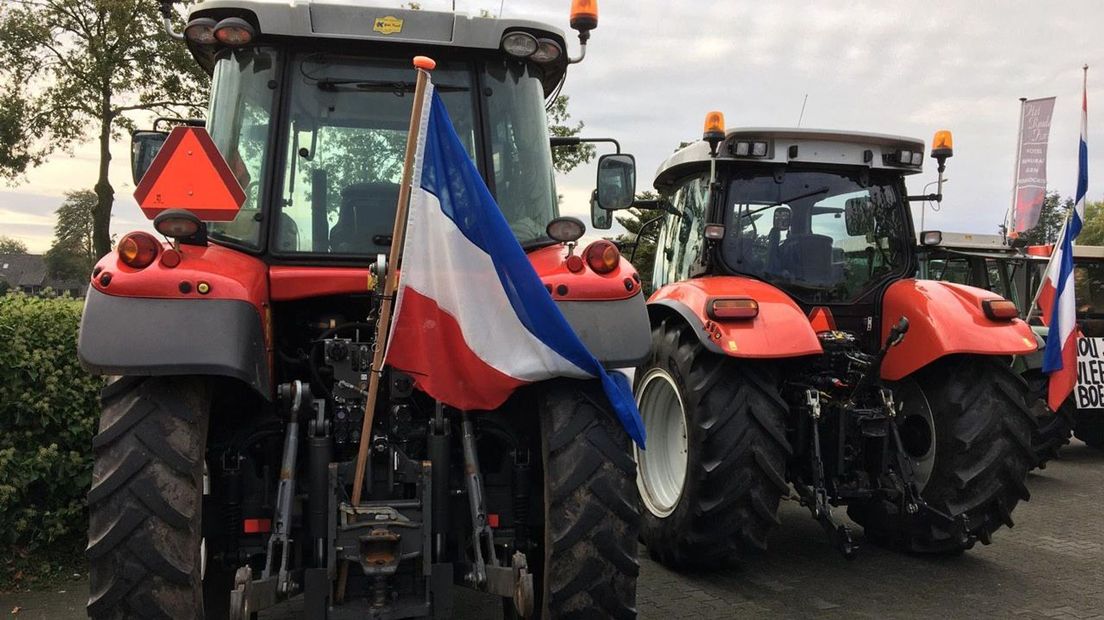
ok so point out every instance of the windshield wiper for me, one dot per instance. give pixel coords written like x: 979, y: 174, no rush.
x: 379, y: 86
x: 750, y: 212
x: 815, y: 192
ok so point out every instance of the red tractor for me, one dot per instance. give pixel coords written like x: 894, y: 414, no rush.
x: 794, y: 350
x: 241, y: 349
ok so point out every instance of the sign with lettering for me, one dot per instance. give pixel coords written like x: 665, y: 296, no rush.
x: 1089, y: 393
x: 1031, y: 178
x: 387, y: 25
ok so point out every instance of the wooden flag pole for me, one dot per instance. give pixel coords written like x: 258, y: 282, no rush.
x: 423, y: 65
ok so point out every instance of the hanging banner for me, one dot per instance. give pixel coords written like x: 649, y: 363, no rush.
x: 1031, y: 160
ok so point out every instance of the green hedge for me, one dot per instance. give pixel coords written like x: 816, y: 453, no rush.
x: 48, y: 415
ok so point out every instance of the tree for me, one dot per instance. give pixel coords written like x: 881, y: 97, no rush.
x: 565, y: 159
x: 76, y: 68
x: 1092, y: 233
x: 73, y: 252
x: 633, y: 220
x: 1051, y: 217
x: 9, y: 245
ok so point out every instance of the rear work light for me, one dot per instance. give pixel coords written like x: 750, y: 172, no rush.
x: 201, y: 30
x: 732, y: 308
x: 235, y: 32
x: 547, y: 51
x: 520, y: 44
x: 1000, y: 309
x: 602, y: 256
x: 138, y: 250
x: 931, y: 237
x: 749, y: 148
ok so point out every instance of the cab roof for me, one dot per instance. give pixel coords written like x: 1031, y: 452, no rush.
x: 354, y: 20
x: 785, y: 145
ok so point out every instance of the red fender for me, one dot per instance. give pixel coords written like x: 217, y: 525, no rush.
x: 230, y: 274
x: 945, y: 318
x: 780, y: 330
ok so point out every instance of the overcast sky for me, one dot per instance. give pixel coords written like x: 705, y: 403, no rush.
x: 654, y: 68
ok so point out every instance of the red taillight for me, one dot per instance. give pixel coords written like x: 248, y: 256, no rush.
x: 1000, y: 309
x: 733, y: 308
x: 602, y: 256
x: 574, y: 263
x: 138, y: 250
x: 256, y: 526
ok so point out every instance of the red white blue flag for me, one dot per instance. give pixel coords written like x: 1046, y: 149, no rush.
x: 1057, y: 294
x: 473, y: 320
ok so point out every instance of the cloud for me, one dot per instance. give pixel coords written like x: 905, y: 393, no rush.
x: 654, y: 68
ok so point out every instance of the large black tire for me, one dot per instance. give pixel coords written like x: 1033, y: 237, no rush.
x: 591, y: 516
x: 736, y: 447
x: 982, y: 455
x: 1052, y: 429
x: 145, y: 503
x: 1089, y: 428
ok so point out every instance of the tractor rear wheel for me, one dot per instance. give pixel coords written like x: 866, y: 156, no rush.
x: 1089, y: 428
x: 982, y: 444
x: 714, y: 469
x: 1052, y: 428
x: 145, y: 503
x: 591, y: 516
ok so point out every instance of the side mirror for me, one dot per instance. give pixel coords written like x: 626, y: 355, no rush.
x: 782, y: 217
x: 144, y: 146
x: 616, y: 181
x: 857, y: 217
x: 600, y: 219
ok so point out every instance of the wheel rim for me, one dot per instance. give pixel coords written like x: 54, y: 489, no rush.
x: 916, y: 424
x: 661, y: 468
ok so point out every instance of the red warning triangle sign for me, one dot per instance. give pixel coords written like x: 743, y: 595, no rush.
x: 189, y: 173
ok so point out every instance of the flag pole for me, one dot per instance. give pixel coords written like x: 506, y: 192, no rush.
x: 1010, y: 221
x: 423, y: 65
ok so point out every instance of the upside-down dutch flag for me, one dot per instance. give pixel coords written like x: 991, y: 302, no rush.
x: 473, y: 320
x: 1057, y: 294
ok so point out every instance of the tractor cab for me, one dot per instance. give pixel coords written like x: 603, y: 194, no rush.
x: 821, y: 215
x: 983, y: 261
x: 310, y: 105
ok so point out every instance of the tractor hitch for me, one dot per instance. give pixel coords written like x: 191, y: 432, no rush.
x: 815, y: 496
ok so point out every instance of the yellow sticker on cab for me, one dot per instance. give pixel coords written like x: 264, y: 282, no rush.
x: 388, y: 25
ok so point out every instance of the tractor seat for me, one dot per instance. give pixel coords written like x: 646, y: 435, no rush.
x: 809, y: 258
x: 366, y: 218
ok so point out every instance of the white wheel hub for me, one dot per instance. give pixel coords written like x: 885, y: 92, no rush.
x: 916, y: 424
x: 661, y: 469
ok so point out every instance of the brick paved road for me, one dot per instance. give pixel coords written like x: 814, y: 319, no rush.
x: 1051, y: 565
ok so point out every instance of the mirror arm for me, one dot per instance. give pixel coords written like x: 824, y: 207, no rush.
x: 925, y: 198
x: 561, y: 141
x: 640, y: 231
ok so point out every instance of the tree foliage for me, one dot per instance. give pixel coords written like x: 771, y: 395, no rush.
x: 73, y: 252
x: 1092, y: 233
x: 9, y: 245
x: 633, y: 220
x: 1051, y: 217
x: 74, y: 69
x: 565, y: 159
